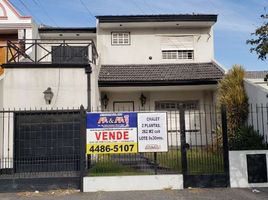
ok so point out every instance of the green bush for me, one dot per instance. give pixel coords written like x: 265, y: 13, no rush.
x: 246, y: 138
x: 232, y: 94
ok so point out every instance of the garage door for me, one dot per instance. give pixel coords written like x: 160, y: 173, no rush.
x: 47, y: 141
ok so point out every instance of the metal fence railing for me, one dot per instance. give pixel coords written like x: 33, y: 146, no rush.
x: 203, y: 145
x: 49, y: 143
x: 258, y: 119
x: 49, y: 51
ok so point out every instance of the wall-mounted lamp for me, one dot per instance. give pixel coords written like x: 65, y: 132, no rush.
x: 48, y: 95
x: 104, y: 101
x: 266, y: 79
x: 143, y: 100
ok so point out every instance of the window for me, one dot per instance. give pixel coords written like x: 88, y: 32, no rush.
x: 178, y: 54
x: 174, y: 105
x: 177, y: 47
x: 121, y: 38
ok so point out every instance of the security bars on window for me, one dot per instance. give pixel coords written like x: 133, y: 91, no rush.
x: 178, y: 54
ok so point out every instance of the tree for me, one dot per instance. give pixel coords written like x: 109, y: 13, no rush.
x: 232, y: 94
x: 260, y: 42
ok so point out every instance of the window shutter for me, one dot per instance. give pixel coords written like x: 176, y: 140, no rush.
x: 177, y: 43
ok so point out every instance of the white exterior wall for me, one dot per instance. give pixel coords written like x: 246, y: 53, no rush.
x: 238, y: 169
x: 23, y: 88
x: 133, y: 183
x: 257, y: 93
x: 145, y: 42
x: 194, y: 120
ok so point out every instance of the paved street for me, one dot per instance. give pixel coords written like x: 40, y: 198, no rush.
x: 188, y: 194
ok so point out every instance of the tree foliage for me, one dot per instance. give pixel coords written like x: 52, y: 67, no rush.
x: 260, y: 41
x: 232, y: 94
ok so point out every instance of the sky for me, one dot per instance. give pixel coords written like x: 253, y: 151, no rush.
x: 237, y: 19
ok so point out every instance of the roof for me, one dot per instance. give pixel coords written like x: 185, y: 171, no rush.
x: 255, y: 74
x: 67, y: 29
x: 160, y: 74
x: 157, y: 18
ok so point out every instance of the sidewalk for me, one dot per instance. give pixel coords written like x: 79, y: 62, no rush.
x: 187, y: 194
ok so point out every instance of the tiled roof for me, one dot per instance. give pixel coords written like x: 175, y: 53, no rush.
x: 160, y: 73
x: 255, y: 74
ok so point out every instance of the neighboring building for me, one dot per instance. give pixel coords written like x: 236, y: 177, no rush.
x: 256, y: 86
x: 60, y: 59
x: 13, y: 26
x: 53, y: 61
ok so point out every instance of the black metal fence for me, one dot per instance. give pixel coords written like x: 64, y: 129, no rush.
x: 258, y: 119
x: 198, y: 151
x: 51, y: 144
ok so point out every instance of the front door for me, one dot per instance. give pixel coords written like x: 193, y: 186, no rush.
x: 123, y: 106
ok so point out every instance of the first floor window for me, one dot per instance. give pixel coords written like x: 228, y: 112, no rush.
x: 174, y: 105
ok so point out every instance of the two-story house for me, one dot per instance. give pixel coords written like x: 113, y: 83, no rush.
x: 152, y: 62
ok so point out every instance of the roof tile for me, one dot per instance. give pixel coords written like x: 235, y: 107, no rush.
x: 160, y: 72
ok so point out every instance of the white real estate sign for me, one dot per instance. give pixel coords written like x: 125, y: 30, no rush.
x: 152, y: 132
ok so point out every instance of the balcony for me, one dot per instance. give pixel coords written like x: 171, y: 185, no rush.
x: 49, y: 53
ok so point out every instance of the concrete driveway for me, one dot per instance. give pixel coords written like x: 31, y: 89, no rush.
x: 187, y: 194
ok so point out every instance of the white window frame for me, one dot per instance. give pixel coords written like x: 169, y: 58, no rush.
x: 120, y: 38
x: 177, y: 47
x: 178, y: 54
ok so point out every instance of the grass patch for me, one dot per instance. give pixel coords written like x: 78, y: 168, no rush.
x: 199, y: 160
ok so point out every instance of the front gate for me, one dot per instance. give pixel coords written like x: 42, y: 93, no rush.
x: 197, y: 141
x: 204, y: 146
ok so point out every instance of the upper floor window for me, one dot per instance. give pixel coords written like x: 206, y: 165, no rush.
x: 177, y: 47
x: 177, y: 54
x: 120, y: 38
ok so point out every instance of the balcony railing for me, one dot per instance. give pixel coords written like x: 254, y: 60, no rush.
x: 41, y: 51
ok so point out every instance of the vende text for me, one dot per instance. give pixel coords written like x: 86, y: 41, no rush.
x: 112, y: 135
